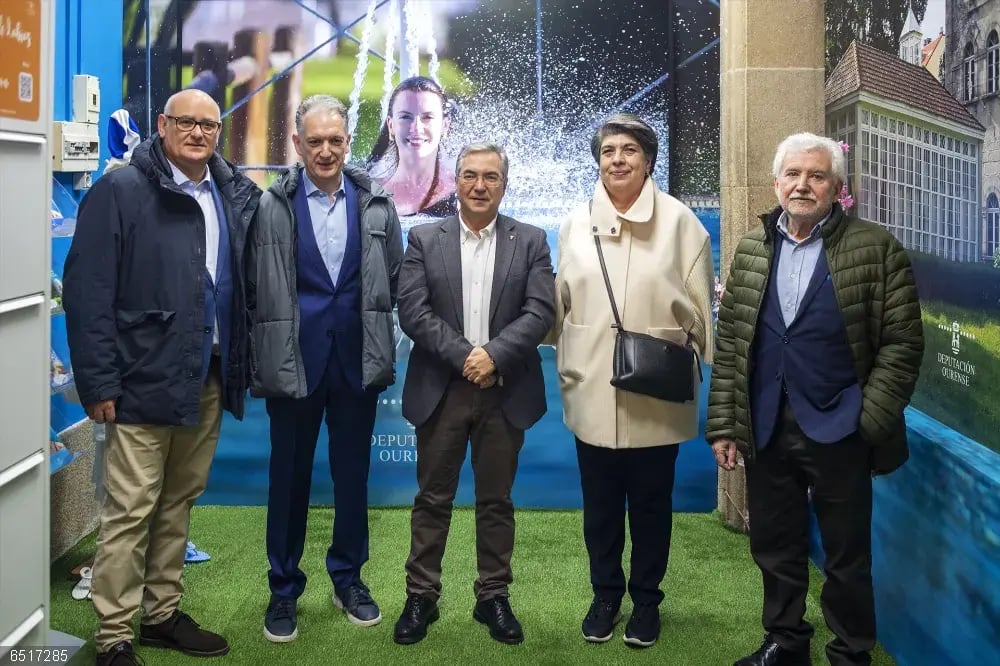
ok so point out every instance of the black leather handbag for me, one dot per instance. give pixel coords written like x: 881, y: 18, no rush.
x: 647, y: 365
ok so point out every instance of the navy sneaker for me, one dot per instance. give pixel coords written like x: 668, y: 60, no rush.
x: 357, y: 602
x: 599, y: 625
x: 643, y: 627
x: 280, y: 620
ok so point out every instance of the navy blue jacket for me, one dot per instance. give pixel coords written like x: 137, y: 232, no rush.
x: 809, y: 360
x: 134, y: 291
x: 329, y: 314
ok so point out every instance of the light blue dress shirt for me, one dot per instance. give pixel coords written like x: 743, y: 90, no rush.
x: 329, y: 223
x: 202, y: 193
x: 796, y: 265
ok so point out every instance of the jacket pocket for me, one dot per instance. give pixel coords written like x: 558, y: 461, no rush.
x: 143, y: 340
x: 573, y: 352
x: 378, y: 349
x: 275, y: 373
x: 125, y: 319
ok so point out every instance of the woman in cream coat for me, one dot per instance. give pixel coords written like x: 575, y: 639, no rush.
x: 659, y: 261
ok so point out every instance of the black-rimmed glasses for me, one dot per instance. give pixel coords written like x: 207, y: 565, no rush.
x: 187, y: 123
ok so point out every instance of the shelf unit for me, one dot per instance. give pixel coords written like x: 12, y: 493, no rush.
x: 25, y: 191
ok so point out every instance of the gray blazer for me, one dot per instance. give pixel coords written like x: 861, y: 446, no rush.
x: 522, y: 309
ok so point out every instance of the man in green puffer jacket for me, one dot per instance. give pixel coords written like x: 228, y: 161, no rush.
x: 819, y: 346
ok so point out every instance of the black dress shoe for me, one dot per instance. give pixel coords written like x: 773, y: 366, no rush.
x: 772, y: 654
x: 120, y: 654
x: 183, y: 634
x: 498, y: 616
x: 418, y: 613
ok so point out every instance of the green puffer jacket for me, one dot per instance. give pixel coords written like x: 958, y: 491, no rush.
x: 874, y: 286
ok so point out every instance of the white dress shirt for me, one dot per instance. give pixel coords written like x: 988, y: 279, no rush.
x: 478, y: 258
x: 202, y: 193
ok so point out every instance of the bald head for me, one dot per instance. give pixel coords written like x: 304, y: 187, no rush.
x: 189, y: 127
x: 188, y: 96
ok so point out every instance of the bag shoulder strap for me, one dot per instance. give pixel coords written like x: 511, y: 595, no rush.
x: 607, y: 281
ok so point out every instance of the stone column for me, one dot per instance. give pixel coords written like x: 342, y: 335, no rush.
x: 771, y: 86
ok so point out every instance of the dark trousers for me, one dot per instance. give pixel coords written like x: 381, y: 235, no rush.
x: 777, y: 486
x: 640, y: 481
x: 466, y: 412
x: 295, y: 424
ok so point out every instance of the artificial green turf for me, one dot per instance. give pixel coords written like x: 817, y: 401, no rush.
x: 711, y: 614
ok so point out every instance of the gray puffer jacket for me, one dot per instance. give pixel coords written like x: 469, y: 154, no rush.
x: 276, y: 369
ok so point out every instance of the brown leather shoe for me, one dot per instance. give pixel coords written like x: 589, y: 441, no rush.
x: 183, y: 634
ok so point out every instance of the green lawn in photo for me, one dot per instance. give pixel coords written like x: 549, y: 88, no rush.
x: 972, y: 410
x: 711, y: 614
x: 335, y: 76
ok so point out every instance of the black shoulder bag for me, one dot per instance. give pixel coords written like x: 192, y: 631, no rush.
x: 647, y: 365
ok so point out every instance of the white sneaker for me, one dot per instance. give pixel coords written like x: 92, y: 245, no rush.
x: 81, y: 590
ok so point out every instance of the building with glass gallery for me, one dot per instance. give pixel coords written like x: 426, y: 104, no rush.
x: 915, y: 160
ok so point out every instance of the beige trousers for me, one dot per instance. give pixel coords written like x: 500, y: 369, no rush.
x: 153, y: 475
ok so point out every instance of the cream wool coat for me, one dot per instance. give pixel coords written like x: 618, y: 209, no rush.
x: 659, y: 260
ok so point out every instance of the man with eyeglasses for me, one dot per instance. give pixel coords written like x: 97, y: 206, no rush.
x: 154, y: 297
x: 324, y: 256
x: 477, y: 296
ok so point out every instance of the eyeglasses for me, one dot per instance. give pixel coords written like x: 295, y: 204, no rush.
x: 187, y: 123
x: 492, y: 178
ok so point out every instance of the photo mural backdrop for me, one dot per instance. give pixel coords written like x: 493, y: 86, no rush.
x: 913, y: 88
x: 918, y: 110
x: 536, y: 76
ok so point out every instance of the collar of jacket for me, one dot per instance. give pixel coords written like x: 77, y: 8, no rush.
x: 286, y: 185
x: 150, y: 158
x: 453, y: 224
x: 605, y: 220
x: 830, y: 232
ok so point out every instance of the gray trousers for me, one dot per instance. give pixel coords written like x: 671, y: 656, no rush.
x: 466, y: 413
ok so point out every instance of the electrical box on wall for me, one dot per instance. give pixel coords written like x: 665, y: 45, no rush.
x: 75, y: 146
x: 86, y: 99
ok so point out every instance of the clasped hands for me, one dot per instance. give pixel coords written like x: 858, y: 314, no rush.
x: 480, y: 369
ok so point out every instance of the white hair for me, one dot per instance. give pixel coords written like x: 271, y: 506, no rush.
x: 805, y: 142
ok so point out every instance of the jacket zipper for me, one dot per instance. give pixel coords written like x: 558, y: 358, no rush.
x: 294, y: 249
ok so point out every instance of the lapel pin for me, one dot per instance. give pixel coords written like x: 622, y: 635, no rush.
x: 512, y: 237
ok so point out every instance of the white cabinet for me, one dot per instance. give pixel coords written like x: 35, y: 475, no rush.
x: 25, y: 192
x: 24, y: 359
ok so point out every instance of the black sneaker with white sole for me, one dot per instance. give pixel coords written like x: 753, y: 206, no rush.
x: 599, y: 625
x: 643, y: 627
